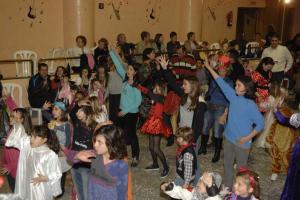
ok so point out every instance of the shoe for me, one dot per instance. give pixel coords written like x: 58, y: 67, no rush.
x: 134, y: 162
x: 202, y: 149
x: 170, y: 140
x: 152, y: 167
x: 165, y: 172
x: 218, y: 147
x: 274, y: 177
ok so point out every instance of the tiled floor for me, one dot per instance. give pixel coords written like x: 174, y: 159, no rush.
x: 146, y: 184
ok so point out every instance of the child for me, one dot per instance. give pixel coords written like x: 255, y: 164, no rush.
x: 100, y: 111
x: 239, y: 129
x: 109, y: 170
x: 208, y: 188
x: 157, y: 124
x: 186, y: 160
x: 129, y: 104
x: 97, y: 90
x: 275, y: 100
x: 246, y: 186
x: 63, y: 130
x: 11, y: 155
x: 65, y: 92
x: 39, y: 171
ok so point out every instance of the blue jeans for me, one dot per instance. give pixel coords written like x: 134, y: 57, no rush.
x: 80, y: 178
x: 211, y: 120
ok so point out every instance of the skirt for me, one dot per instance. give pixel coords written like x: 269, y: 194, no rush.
x: 156, y: 126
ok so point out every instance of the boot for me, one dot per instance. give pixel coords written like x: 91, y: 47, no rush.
x: 218, y: 147
x: 170, y: 140
x: 202, y: 149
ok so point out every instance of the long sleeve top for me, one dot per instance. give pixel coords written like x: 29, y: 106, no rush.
x: 281, y: 56
x: 243, y: 114
x: 131, y: 97
x: 34, y: 161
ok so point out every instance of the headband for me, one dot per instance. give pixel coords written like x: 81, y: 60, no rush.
x: 60, y: 105
x: 251, y: 176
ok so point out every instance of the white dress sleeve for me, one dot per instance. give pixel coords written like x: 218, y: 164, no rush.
x: 54, y: 174
x: 18, y: 137
x: 180, y: 193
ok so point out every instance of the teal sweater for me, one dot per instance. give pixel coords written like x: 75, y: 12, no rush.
x: 131, y: 97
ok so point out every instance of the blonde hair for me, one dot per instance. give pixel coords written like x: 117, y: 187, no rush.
x: 186, y: 133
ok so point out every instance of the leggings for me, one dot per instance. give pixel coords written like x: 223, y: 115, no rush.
x: 154, y: 147
x: 128, y: 124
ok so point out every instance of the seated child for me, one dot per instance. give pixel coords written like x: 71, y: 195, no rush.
x: 208, y: 187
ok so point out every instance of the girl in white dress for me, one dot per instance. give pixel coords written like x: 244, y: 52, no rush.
x: 275, y: 100
x: 39, y: 171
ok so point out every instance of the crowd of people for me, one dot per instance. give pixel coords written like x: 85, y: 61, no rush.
x: 174, y: 92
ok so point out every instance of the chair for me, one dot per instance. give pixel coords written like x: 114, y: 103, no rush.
x: 36, y: 112
x: 55, y: 53
x: 25, y: 54
x: 252, y: 46
x: 11, y: 88
x: 215, y: 46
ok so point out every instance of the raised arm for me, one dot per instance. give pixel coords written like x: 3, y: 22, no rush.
x: 18, y: 137
x: 149, y: 93
x: 118, y: 63
x: 228, y: 91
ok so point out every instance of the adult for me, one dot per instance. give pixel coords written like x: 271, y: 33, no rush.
x: 143, y: 44
x: 237, y: 68
x: 282, y: 58
x: 270, y: 32
x: 191, y: 44
x: 39, y: 90
x: 77, y: 51
x: 159, y: 45
x: 217, y: 106
x: 262, y: 77
x: 101, y: 52
x: 127, y: 48
x: 172, y: 44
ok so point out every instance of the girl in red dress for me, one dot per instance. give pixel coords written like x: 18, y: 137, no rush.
x: 261, y: 77
x: 157, y: 125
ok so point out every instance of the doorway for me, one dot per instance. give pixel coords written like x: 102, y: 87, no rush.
x: 247, y: 19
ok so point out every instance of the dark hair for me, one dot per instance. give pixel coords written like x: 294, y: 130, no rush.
x: 146, y: 52
x: 136, y: 67
x: 40, y: 65
x: 249, y: 86
x: 275, y: 35
x: 26, y: 119
x: 179, y: 46
x: 264, y: 61
x: 64, y: 71
x: 83, y: 38
x: 44, y: 132
x: 144, y: 34
x: 114, y: 140
x: 234, y: 54
x: 85, y: 68
x: 156, y: 40
x: 172, y: 34
x: 106, y: 74
x: 186, y: 133
x: 105, y: 41
x: 251, y: 180
x: 189, y: 35
x: 120, y: 35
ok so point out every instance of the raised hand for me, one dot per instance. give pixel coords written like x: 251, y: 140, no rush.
x: 162, y: 60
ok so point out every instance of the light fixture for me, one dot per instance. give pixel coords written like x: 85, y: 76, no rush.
x: 287, y: 1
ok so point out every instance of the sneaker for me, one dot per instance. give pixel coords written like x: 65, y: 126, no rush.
x: 134, y: 162
x: 165, y: 172
x: 274, y: 177
x: 152, y: 168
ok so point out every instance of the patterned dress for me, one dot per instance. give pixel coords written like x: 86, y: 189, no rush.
x: 262, y: 88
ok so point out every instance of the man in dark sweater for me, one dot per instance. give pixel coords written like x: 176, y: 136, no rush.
x: 39, y: 90
x: 172, y: 45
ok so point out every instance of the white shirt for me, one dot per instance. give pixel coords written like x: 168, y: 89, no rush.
x: 34, y: 161
x: 76, y: 52
x: 281, y: 56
